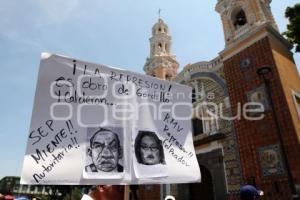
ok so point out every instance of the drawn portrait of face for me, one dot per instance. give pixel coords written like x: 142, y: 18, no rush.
x: 105, y: 151
x: 148, y: 148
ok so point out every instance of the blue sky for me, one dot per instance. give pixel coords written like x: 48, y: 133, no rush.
x: 113, y: 32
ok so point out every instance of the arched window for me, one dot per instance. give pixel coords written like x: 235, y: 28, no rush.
x: 239, y: 18
x: 194, y: 97
x: 159, y: 48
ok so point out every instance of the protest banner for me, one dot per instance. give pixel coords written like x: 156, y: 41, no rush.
x: 94, y: 124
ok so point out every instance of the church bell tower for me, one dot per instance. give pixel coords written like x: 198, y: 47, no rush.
x: 161, y: 63
x: 259, y: 68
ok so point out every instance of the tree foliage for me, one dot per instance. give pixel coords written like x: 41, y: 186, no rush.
x: 58, y: 192
x: 293, y: 28
x: 75, y: 194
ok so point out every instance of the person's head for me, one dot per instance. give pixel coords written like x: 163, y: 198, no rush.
x: 115, y: 192
x: 249, y: 192
x: 148, y: 148
x: 105, y: 150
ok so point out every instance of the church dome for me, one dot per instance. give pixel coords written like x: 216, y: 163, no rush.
x: 160, y: 27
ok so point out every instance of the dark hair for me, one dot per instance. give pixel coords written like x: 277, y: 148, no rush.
x: 137, y: 146
x: 107, y: 130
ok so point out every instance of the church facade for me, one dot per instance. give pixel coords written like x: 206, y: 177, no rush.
x: 256, y: 66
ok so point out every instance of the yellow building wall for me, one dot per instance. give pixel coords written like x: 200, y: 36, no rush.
x: 289, y: 77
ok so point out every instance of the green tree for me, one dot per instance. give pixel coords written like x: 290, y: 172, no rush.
x: 75, y: 194
x: 58, y: 192
x: 293, y: 28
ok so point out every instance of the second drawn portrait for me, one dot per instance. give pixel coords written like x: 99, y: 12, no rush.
x: 149, y: 155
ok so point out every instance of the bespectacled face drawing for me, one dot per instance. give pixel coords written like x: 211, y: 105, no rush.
x: 105, y: 151
x: 149, y: 151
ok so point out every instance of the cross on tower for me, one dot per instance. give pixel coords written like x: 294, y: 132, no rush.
x: 159, y: 10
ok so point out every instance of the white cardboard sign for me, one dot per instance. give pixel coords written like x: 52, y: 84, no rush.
x: 94, y: 124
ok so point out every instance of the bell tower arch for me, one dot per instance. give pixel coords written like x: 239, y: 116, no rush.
x: 240, y: 17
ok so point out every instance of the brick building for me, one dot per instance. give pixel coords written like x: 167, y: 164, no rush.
x: 234, y: 152
x: 259, y: 67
